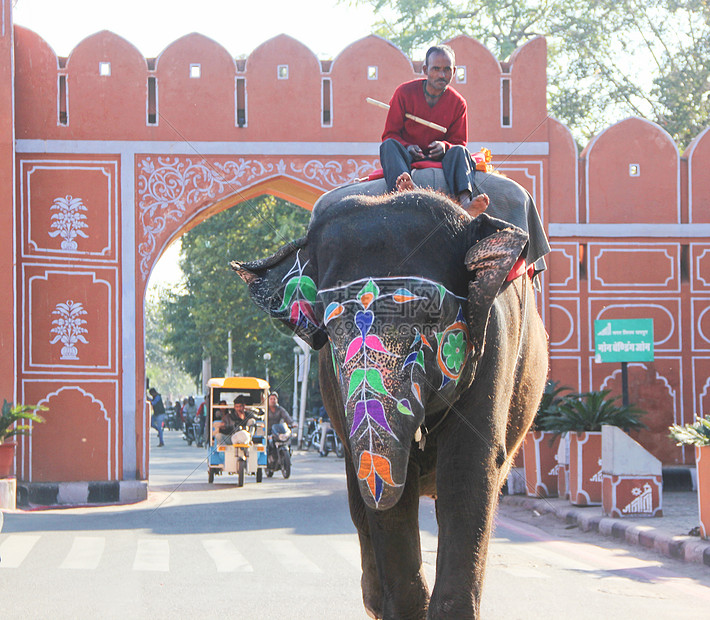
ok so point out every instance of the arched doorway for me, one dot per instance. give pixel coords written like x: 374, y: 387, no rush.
x: 247, y: 224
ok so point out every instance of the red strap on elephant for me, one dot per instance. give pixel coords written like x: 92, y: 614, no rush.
x: 427, y: 163
x: 519, y: 269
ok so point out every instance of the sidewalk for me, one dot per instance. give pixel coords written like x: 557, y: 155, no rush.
x: 668, y: 535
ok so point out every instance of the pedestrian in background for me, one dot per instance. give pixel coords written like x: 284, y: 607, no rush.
x: 157, y: 420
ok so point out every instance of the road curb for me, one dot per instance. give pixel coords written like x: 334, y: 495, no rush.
x: 685, y: 548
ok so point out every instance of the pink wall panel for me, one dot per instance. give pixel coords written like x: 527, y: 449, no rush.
x: 195, y: 108
x: 528, y: 72
x: 289, y: 108
x: 634, y: 267
x: 84, y: 417
x: 481, y: 89
x: 614, y: 194
x: 353, y: 118
x: 107, y: 107
x: 36, y: 84
x: 698, y: 165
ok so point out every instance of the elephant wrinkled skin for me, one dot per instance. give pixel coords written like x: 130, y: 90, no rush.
x: 432, y: 366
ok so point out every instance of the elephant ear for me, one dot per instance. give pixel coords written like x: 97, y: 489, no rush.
x: 490, y: 261
x: 284, y: 286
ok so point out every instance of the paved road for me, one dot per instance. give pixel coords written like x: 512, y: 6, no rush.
x: 286, y: 549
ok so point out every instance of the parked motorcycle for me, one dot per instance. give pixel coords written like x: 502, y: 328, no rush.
x: 332, y: 443
x: 278, y: 456
x: 311, y: 435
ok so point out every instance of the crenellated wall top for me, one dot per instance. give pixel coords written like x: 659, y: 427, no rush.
x: 105, y: 89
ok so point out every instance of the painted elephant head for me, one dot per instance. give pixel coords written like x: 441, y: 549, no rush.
x: 401, y: 286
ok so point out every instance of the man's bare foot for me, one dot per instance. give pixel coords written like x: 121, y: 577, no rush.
x: 404, y: 183
x: 475, y: 205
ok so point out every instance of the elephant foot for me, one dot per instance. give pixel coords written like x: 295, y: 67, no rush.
x: 475, y: 205
x: 372, y: 597
x: 404, y: 183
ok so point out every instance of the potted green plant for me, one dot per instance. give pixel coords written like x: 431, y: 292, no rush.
x: 582, y: 416
x: 540, y: 446
x: 697, y: 435
x: 11, y: 417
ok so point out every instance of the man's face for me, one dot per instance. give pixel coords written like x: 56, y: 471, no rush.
x: 239, y: 409
x: 439, y: 71
x: 273, y: 401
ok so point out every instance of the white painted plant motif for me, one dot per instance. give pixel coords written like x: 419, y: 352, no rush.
x: 69, y: 328
x: 68, y: 221
x: 642, y: 502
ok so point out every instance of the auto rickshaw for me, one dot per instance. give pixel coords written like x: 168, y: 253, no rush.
x: 244, y: 456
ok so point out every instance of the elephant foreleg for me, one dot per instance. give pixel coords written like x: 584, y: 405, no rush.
x: 468, y: 483
x: 395, y: 540
x: 370, y: 583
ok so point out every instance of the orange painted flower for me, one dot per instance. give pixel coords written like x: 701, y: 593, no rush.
x: 376, y: 470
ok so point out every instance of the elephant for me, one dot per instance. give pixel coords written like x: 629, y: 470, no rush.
x: 510, y: 202
x: 432, y: 364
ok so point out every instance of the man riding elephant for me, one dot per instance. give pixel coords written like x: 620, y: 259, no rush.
x: 405, y: 141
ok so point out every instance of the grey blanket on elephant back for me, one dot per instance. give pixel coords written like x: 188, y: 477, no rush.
x: 509, y: 202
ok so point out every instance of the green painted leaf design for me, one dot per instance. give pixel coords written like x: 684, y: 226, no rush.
x: 374, y: 380
x: 442, y: 293
x: 289, y: 290
x: 403, y: 408
x: 303, y: 284
x: 370, y: 287
x: 308, y: 288
x: 356, y: 380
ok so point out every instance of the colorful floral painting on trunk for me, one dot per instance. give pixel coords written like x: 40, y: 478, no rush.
x: 394, y: 340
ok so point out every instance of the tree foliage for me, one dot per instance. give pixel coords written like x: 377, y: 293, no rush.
x: 164, y: 371
x: 607, y: 58
x: 215, y: 301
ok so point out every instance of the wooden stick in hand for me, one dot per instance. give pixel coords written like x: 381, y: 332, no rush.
x: 416, y: 119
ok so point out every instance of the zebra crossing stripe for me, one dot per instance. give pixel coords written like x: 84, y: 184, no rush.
x: 348, y: 550
x: 291, y: 557
x: 85, y: 553
x: 152, y: 555
x: 14, y: 550
x: 226, y: 557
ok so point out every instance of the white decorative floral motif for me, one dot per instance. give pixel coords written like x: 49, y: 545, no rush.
x: 168, y: 186
x: 69, y: 328
x: 333, y: 173
x: 69, y: 221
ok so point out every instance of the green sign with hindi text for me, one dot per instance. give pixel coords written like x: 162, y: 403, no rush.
x: 623, y: 340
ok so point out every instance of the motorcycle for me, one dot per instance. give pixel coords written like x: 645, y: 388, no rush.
x: 278, y: 455
x: 192, y: 433
x: 173, y: 420
x: 332, y: 442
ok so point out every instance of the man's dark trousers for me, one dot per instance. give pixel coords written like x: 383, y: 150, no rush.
x: 456, y: 165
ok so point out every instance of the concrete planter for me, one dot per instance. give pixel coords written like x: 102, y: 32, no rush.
x: 702, y: 461
x: 540, y: 456
x: 7, y: 458
x: 585, y: 468
x: 632, y: 478
x: 563, y: 467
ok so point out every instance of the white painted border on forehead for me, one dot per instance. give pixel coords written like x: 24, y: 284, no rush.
x: 389, y: 279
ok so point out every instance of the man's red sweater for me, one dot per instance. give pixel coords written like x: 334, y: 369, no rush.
x: 449, y: 111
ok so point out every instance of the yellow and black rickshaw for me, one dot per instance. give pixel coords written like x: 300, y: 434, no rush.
x: 244, y: 453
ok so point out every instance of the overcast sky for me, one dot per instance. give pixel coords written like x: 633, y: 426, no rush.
x: 325, y: 26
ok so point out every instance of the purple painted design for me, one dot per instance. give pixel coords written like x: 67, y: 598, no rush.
x: 372, y: 409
